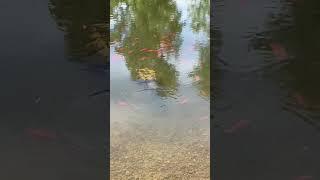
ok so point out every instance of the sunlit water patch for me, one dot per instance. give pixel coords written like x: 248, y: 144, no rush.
x: 160, y: 84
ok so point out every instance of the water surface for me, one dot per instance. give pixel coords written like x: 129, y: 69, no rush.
x: 266, y: 79
x: 50, y: 128
x: 160, y: 89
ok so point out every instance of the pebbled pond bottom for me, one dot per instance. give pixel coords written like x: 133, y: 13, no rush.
x: 138, y: 153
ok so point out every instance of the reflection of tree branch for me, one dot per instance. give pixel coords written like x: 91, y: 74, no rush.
x: 200, y: 15
x: 99, y: 92
x: 157, y: 89
x: 221, y: 61
x: 303, y: 116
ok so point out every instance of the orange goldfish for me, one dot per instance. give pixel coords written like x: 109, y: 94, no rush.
x: 41, y: 133
x: 236, y: 126
x: 279, y: 51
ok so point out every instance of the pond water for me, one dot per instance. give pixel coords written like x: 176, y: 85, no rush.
x: 160, y: 89
x: 266, y: 91
x: 50, y: 52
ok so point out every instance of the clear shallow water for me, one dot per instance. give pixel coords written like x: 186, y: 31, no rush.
x: 168, y: 103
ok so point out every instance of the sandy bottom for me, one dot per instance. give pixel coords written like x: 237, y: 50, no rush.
x: 144, y: 154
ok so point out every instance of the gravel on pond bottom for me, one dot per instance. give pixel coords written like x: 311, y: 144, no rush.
x: 158, y: 160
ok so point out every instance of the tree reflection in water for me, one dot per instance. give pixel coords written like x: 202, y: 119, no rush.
x: 200, y: 16
x: 147, y: 34
x: 299, y: 35
x: 85, y: 26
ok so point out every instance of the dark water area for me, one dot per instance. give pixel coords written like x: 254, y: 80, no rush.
x: 266, y: 89
x: 53, y: 56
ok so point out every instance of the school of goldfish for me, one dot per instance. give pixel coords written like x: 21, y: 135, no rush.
x: 165, y: 45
